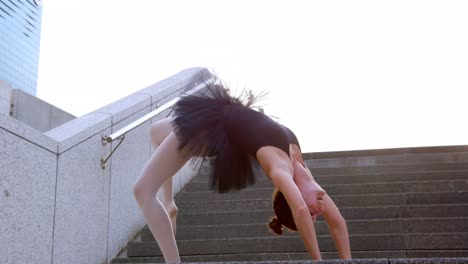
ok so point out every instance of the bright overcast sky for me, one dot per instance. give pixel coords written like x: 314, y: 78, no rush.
x: 342, y: 74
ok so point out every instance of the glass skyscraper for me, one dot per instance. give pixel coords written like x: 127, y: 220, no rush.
x: 20, y: 31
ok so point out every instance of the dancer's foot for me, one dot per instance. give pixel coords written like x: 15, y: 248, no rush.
x: 311, y: 191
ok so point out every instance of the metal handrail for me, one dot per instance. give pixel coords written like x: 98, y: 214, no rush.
x: 120, y: 134
x: 148, y: 116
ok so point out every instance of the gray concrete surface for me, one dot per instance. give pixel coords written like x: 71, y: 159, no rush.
x: 361, y: 226
x: 35, y: 112
x: 57, y: 204
x: 27, y: 198
x: 289, y: 244
x: 5, y: 98
x: 393, y: 210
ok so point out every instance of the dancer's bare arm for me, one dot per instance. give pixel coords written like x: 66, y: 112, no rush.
x: 301, y: 214
x: 279, y: 168
x: 296, y: 154
x: 337, y: 226
x: 336, y: 222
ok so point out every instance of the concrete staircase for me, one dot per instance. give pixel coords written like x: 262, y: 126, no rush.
x: 405, y: 204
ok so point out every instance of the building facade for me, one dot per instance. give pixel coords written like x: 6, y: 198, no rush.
x: 20, y: 31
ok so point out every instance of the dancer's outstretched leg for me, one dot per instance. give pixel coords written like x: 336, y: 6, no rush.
x: 169, y: 203
x: 159, y: 132
x: 162, y: 165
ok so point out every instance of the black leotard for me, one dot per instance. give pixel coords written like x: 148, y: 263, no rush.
x: 214, y: 123
x: 253, y: 130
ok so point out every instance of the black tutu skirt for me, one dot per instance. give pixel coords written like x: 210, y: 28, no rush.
x: 199, y: 126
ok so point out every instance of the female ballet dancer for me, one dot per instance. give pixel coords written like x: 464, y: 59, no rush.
x: 212, y: 123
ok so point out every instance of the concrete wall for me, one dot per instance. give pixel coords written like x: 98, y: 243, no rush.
x: 28, y: 168
x: 36, y: 112
x: 57, y: 204
x: 5, y: 97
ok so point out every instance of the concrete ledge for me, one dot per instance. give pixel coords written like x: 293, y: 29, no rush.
x: 162, y: 88
x: 30, y: 110
x: 28, y: 133
x: 79, y: 129
x: 36, y: 112
x: 4, y: 107
x: 5, y: 97
x: 125, y: 107
x: 176, y: 84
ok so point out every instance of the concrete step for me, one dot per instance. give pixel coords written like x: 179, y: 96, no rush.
x: 340, y: 200
x: 359, y: 257
x: 399, y: 204
x: 386, y: 152
x: 380, y: 226
x: 386, y: 159
x: 349, y: 213
x: 413, y: 167
x: 288, y: 244
x: 335, y: 189
x: 201, y: 182
x: 393, y: 177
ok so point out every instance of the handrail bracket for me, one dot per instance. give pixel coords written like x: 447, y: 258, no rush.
x: 104, y: 161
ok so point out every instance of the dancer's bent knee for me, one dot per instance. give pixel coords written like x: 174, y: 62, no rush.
x: 142, y: 194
